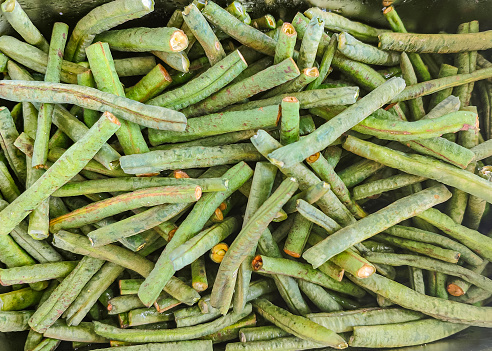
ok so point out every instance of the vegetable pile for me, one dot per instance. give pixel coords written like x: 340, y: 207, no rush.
x: 269, y: 185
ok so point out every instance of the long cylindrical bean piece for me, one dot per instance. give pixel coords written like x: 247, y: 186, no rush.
x: 101, y: 19
x: 358, y: 51
x: 346, y: 321
x: 245, y: 241
x: 203, y: 33
x: 144, y: 197
x: 219, y: 123
x: 436, y: 307
x: 435, y: 85
x: 36, y: 272
x: 193, y: 223
x: 375, y: 223
x: 431, y: 264
x: 380, y: 186
x: 285, y: 43
x: 421, y: 166
x: 438, y: 43
x: 53, y: 70
x: 310, y: 42
x: 338, y: 23
x: 72, y: 161
x: 476, y: 241
x: 261, y: 81
x: 183, y: 333
x: 19, y: 20
x: 240, y: 31
x: 433, y: 238
x: 299, y: 326
x: 188, y: 157
x: 295, y: 269
x: 136, y: 183
x: 142, y: 39
x: 404, y: 334
x: 328, y: 132
x: 422, y: 248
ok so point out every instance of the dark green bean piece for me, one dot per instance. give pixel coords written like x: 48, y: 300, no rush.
x: 298, y: 236
x: 17, y: 300
x: 151, y: 85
